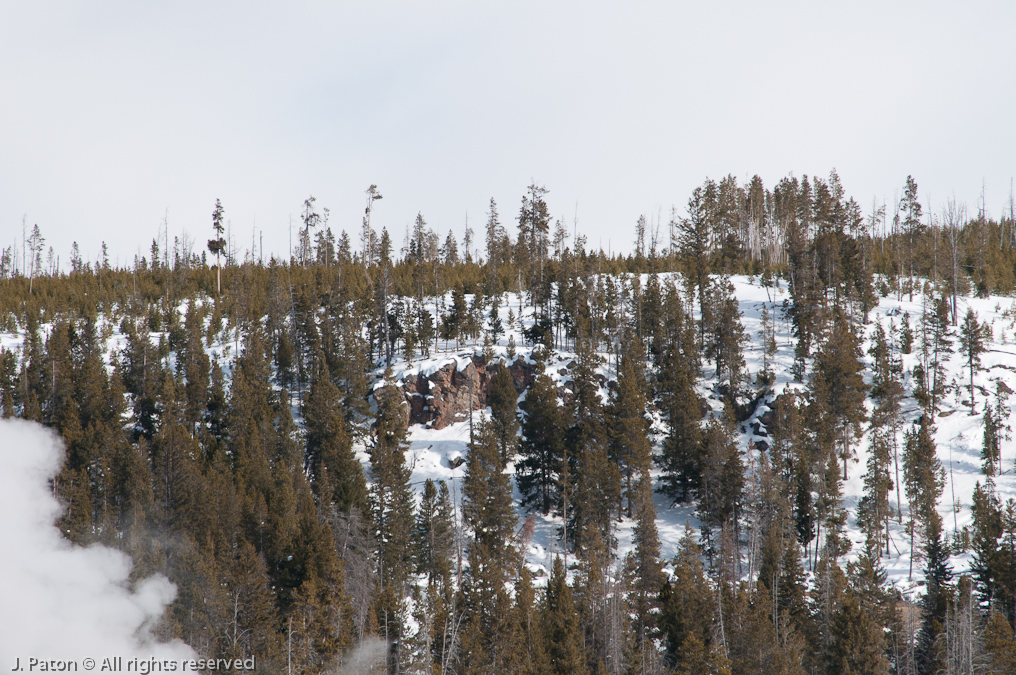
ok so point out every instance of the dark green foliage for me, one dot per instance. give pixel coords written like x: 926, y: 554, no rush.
x: 681, y: 459
x: 725, y: 337
x: 489, y: 515
x: 838, y: 387
x: 972, y: 345
x: 561, y: 630
x: 337, y: 474
x: 190, y: 461
x: 539, y: 470
x: 630, y: 442
x: 392, y: 508
x: 435, y: 534
x: 722, y: 474
x: 687, y: 605
x: 503, y: 401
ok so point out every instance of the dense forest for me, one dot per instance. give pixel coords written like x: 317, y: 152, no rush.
x: 241, y: 425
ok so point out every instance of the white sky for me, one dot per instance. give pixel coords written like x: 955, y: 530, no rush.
x: 113, y: 112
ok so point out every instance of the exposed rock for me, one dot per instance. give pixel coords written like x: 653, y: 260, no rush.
x: 447, y: 395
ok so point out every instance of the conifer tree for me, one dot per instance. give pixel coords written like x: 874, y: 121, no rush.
x: 542, y: 447
x: 972, y: 344
x: 681, y: 458
x: 924, y: 480
x: 217, y: 246
x: 694, y: 244
x: 722, y: 475
x: 630, y: 434
x: 858, y: 643
x: 839, y: 386
x: 503, y: 400
x: 562, y: 633
x: 337, y: 474
x: 489, y: 516
x: 725, y: 337
x: 527, y: 627
x: 1000, y: 643
x: 645, y: 566
x: 874, y: 512
x: 596, y: 494
x: 392, y: 508
x: 936, y: 345
x: 687, y: 607
x: 991, y: 451
x: 435, y: 534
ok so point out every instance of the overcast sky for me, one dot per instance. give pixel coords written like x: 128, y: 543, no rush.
x: 113, y: 113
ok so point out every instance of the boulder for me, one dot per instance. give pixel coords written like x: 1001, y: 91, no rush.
x: 447, y: 395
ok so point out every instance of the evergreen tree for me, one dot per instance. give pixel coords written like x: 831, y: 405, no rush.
x: 687, y: 607
x: 630, y: 442
x: 435, y: 534
x: 542, y: 448
x: 562, y: 633
x: 725, y: 337
x: 722, y: 475
x: 329, y: 458
x: 839, y: 385
x: 1000, y: 643
x: 488, y: 514
x: 596, y: 493
x: 924, y: 480
x: 972, y: 344
x: 681, y: 459
x: 858, y: 642
x: 694, y: 244
x: 392, y: 509
x: 217, y: 246
x: 503, y: 401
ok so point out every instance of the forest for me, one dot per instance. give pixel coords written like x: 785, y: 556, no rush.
x: 249, y: 428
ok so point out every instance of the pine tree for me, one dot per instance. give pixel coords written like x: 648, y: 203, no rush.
x: 874, y: 511
x: 1000, y: 643
x: 539, y: 470
x: 392, y: 508
x: 722, y: 475
x: 858, y: 642
x: 838, y: 382
x: 562, y: 633
x: 503, y: 400
x: 596, y: 494
x: 489, y: 515
x: 936, y: 346
x: 681, y: 458
x: 630, y: 443
x: 694, y: 243
x: 687, y: 607
x: 972, y: 344
x: 725, y: 337
x: 435, y: 535
x: 334, y: 469
x: 991, y: 451
x: 924, y: 480
x: 217, y: 246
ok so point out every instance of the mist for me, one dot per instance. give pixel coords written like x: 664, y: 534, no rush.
x: 59, y: 600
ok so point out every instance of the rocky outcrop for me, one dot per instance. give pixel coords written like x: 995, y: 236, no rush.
x: 447, y: 395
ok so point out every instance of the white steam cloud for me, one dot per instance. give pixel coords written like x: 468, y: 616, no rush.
x: 58, y: 600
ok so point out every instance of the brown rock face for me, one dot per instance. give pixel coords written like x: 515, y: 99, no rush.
x: 447, y: 396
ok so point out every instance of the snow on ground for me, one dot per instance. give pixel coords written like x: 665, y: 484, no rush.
x: 958, y: 433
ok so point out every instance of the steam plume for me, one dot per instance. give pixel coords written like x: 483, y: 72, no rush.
x: 58, y: 600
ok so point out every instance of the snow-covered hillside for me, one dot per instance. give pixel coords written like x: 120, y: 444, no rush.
x: 958, y: 434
